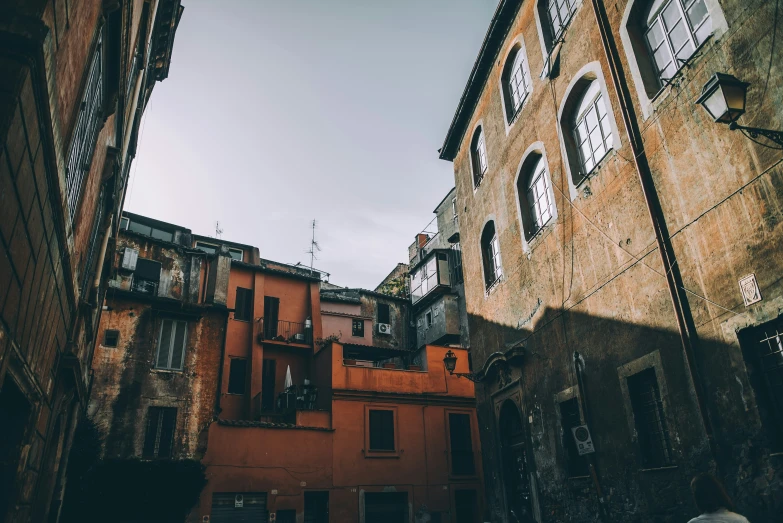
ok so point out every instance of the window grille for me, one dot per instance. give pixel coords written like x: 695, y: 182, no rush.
x: 237, y: 376
x: 85, y: 132
x: 461, y: 445
x: 243, y: 307
x: 570, y: 418
x: 592, y: 128
x: 560, y: 13
x: 381, y: 430
x: 770, y: 361
x: 674, y: 30
x: 159, y: 437
x: 654, y: 441
x: 538, y: 196
x: 171, y: 345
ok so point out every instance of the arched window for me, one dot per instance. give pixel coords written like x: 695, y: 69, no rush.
x: 673, y: 30
x: 516, y: 82
x: 559, y: 13
x: 490, y: 253
x: 537, y: 206
x: 478, y: 156
x: 591, y: 127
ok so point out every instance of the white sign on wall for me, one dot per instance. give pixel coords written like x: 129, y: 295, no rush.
x: 750, y: 290
x: 584, y: 443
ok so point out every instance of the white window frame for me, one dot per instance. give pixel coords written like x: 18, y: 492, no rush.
x: 571, y: 6
x: 592, y: 102
x: 656, y: 18
x: 538, y: 192
x: 478, y: 156
x: 490, y: 254
x: 169, y: 366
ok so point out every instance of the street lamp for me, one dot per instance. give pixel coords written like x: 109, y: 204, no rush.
x: 450, y: 362
x: 724, y: 97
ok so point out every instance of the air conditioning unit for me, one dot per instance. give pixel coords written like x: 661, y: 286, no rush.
x: 384, y: 328
x: 299, y: 337
x: 129, y: 257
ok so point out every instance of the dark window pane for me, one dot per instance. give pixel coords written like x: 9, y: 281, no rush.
x: 237, y: 375
x: 381, y: 430
x: 383, y: 313
x: 461, y: 445
x: 649, y: 419
x: 111, y: 338
x: 271, y: 308
x: 178, y: 348
x: 268, y: 385
x: 569, y: 417
x: 243, y: 309
x: 164, y: 344
x: 168, y: 424
x: 147, y: 270
x: 162, y: 235
x: 140, y: 228
x: 358, y: 328
x: 159, y: 436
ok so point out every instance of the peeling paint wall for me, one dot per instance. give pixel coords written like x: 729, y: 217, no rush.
x: 592, y: 281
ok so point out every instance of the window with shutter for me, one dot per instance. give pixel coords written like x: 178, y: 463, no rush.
x: 243, y: 308
x: 382, y: 430
x: 271, y: 308
x: 159, y: 436
x: 237, y: 375
x: 171, y: 345
x: 461, y: 445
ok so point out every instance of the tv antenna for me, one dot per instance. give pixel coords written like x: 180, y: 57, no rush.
x: 218, y: 230
x: 314, y: 247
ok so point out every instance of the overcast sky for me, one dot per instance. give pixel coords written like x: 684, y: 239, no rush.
x: 278, y: 112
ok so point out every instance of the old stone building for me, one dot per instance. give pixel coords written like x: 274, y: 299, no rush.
x: 75, y: 78
x: 621, y: 254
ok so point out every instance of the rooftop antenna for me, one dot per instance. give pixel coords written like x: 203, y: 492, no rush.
x: 314, y: 248
x: 218, y: 230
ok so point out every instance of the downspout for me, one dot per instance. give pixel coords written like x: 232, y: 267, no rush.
x: 682, y: 311
x: 220, y: 370
x: 591, y: 461
x: 101, y: 258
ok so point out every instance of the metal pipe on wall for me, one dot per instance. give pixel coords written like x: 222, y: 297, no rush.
x: 685, y: 323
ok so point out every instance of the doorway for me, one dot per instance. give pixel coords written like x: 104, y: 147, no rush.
x: 386, y: 507
x: 516, y: 465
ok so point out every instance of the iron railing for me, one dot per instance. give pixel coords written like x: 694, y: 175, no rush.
x: 287, y: 331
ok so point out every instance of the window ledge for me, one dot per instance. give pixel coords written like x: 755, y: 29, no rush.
x: 660, y: 469
x: 167, y: 371
x: 243, y: 321
x: 577, y: 478
x: 387, y: 454
x: 492, y: 287
x: 611, y: 153
x: 776, y: 455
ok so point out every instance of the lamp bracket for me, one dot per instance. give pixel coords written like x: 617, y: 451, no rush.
x: 755, y: 132
x: 469, y: 375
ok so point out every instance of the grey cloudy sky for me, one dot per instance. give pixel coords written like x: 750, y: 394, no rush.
x: 276, y: 112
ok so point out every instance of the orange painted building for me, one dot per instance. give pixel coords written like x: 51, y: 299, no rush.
x: 290, y: 424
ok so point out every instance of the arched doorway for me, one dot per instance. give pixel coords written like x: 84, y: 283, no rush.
x: 516, y: 465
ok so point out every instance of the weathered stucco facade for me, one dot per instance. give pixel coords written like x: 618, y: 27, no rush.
x: 75, y: 79
x: 590, y: 283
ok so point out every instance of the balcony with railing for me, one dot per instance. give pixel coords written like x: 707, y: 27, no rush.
x: 282, y: 331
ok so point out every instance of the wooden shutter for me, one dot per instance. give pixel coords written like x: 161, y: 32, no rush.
x: 178, y: 345
x: 151, y: 434
x: 243, y: 307
x: 164, y: 344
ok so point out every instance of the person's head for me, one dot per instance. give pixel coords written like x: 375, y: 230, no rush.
x: 709, y: 495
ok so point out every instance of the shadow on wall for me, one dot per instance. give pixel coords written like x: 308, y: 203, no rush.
x: 638, y: 400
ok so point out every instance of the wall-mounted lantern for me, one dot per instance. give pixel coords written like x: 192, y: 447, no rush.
x: 450, y: 362
x: 724, y: 97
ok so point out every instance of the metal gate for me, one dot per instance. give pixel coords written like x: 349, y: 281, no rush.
x: 239, y: 507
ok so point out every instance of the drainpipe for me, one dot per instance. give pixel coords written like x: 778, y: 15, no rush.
x: 101, y: 257
x: 682, y: 311
x: 590, y: 457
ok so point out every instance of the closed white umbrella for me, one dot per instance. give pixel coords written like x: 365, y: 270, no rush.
x: 288, y: 381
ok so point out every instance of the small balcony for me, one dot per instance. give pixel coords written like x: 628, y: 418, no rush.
x: 433, y: 274
x: 282, y: 331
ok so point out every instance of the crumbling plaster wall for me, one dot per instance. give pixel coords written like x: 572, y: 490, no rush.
x: 592, y: 281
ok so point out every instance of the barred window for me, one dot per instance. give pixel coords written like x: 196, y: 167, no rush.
x: 673, y: 31
x: 85, y: 132
x: 648, y: 415
x: 592, y: 130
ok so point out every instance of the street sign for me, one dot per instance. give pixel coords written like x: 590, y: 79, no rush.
x: 584, y: 443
